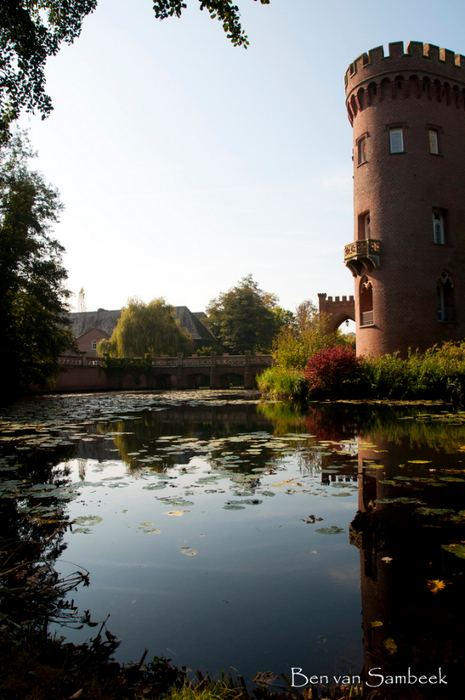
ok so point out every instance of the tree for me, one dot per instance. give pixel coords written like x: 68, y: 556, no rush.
x: 33, y: 30
x: 304, y: 337
x: 32, y: 295
x: 146, y: 329
x: 244, y: 318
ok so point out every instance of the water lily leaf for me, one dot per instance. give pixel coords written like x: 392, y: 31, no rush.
x: 188, y: 552
x: 230, y: 506
x: 377, y: 623
x: 419, y: 461
x: 332, y: 530
x: 457, y: 549
x: 88, y: 520
x: 175, y: 513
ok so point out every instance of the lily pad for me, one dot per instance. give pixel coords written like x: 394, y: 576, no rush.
x: 457, y: 549
x: 88, y: 520
x: 332, y: 530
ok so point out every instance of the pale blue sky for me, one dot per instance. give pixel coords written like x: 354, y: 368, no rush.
x: 185, y: 163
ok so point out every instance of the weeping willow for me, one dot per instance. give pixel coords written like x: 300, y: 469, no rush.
x: 147, y: 329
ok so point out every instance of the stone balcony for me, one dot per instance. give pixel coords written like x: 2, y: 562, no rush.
x: 362, y: 256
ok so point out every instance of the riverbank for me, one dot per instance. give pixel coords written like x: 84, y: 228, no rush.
x: 335, y: 373
x: 34, y: 666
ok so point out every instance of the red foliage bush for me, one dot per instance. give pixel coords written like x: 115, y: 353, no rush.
x: 327, y: 370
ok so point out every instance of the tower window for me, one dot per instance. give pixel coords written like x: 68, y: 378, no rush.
x: 433, y: 142
x: 364, y: 226
x: 362, y: 151
x: 366, y: 302
x: 366, y: 221
x: 94, y: 345
x: 396, y: 140
x: 446, y: 298
x: 438, y: 227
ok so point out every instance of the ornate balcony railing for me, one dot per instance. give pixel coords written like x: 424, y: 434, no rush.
x: 362, y: 255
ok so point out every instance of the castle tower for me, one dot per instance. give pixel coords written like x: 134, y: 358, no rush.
x: 408, y: 256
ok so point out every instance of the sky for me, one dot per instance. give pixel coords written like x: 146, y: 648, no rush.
x: 185, y: 163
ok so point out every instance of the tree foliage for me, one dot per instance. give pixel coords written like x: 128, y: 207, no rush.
x: 301, y: 339
x: 244, y: 318
x: 32, y: 295
x: 146, y: 329
x: 30, y: 32
x: 33, y: 30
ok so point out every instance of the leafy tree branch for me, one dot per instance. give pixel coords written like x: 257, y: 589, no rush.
x: 33, y: 30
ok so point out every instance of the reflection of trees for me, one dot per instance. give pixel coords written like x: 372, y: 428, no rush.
x: 184, y: 421
x: 286, y: 416
x: 32, y: 531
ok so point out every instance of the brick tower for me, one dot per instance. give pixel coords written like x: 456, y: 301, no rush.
x: 408, y: 256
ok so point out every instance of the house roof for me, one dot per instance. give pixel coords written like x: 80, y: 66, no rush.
x: 84, y: 321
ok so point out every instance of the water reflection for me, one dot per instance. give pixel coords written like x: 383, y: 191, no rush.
x: 277, y: 584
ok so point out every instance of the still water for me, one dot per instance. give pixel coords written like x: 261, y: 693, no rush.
x: 223, y: 531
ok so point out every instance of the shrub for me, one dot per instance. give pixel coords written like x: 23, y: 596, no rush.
x: 282, y: 382
x: 327, y: 371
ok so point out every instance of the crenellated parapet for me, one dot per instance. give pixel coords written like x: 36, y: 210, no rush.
x: 424, y: 71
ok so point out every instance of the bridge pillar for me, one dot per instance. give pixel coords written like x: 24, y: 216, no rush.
x: 214, y: 378
x: 249, y: 378
x: 180, y: 383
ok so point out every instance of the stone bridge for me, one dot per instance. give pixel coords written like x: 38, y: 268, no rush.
x: 84, y: 373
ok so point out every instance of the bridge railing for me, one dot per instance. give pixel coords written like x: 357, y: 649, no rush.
x: 84, y: 360
x: 81, y: 360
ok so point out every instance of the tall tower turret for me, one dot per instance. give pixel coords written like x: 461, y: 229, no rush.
x: 408, y: 255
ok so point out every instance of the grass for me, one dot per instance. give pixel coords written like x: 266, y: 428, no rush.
x: 282, y: 382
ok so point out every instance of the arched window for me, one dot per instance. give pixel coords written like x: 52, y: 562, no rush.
x: 372, y: 91
x: 445, y: 297
x: 366, y: 302
x: 438, y: 227
x: 364, y: 226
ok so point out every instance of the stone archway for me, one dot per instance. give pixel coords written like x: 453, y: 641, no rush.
x: 338, y: 310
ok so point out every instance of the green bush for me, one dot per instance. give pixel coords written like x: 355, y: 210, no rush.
x: 282, y: 382
x: 439, y: 373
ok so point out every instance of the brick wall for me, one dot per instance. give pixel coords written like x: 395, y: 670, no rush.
x: 419, y: 91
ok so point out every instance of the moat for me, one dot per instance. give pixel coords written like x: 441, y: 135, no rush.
x: 221, y: 530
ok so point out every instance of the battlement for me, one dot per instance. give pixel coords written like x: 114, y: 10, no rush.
x: 419, y: 56
x: 325, y: 299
